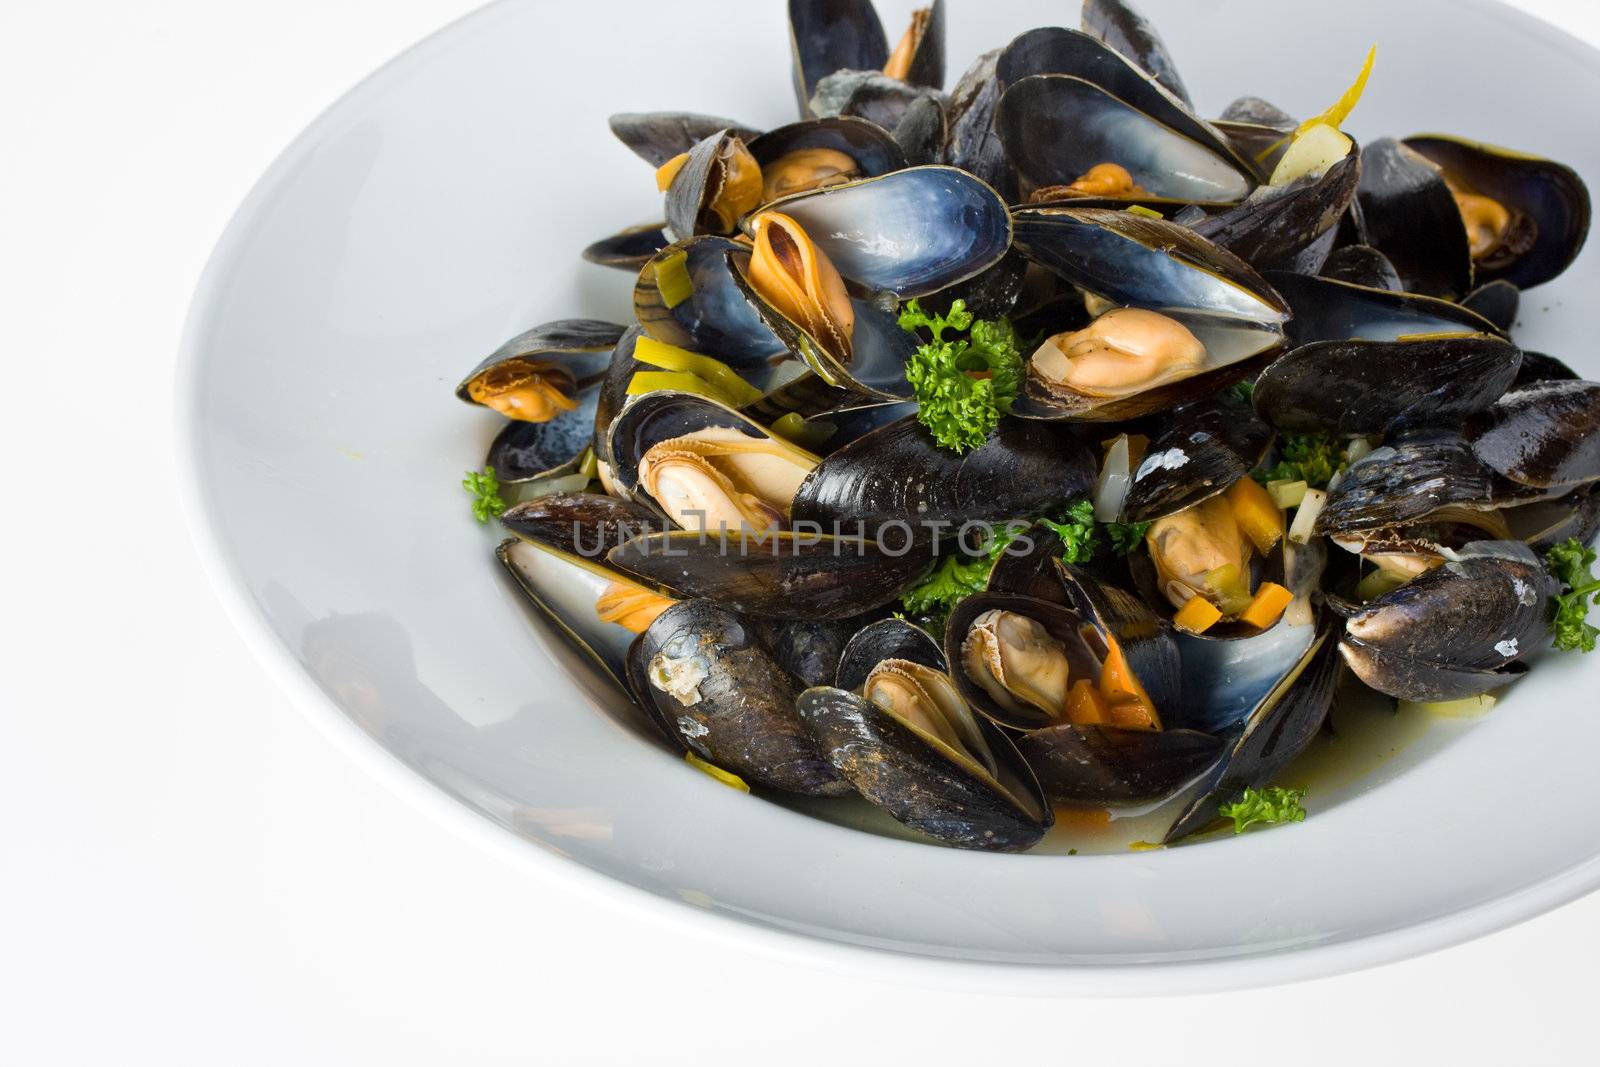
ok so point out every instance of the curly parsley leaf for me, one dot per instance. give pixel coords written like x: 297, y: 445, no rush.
x: 1266, y: 806
x: 1126, y: 537
x: 1313, y: 458
x: 962, y: 385
x: 485, y: 490
x: 1077, y: 532
x: 956, y: 578
x: 1570, y: 563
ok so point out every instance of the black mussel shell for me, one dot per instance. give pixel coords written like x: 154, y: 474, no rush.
x: 1254, y: 111
x: 1328, y: 309
x: 716, y: 316
x: 971, y: 141
x: 1361, y: 265
x: 1056, y: 127
x: 870, y: 95
x: 885, y: 639
x: 709, y: 680
x: 1201, y: 449
x: 1411, y: 217
x: 923, y: 786
x: 1124, y: 29
x: 657, y: 136
x: 1278, y: 222
x: 788, y: 575
x: 1456, y: 631
x: 1405, y: 481
x: 1366, y: 387
x: 1063, y: 622
x: 1543, y: 524
x: 809, y: 649
x: 581, y: 345
x: 828, y: 431
x: 1279, y: 728
x: 1538, y: 367
x: 1548, y: 201
x: 1545, y: 435
x: 631, y: 249
x: 661, y: 416
x: 897, y: 481
x: 922, y: 131
x: 832, y: 35
x: 693, y: 190
x: 1496, y: 301
x: 525, y: 450
x: 613, y: 392
x: 586, y: 525
x: 1103, y: 765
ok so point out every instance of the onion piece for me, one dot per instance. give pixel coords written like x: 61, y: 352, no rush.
x: 1115, y: 479
x: 1305, y: 517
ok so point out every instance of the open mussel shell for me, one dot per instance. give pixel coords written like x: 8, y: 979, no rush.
x: 910, y: 233
x: 1365, y: 387
x: 897, y: 481
x: 709, y: 681
x: 1409, y: 215
x: 1405, y: 481
x: 885, y: 639
x: 1456, y: 630
x: 1276, y: 730
x: 828, y: 431
x: 657, y: 136
x: 522, y: 451
x: 1201, y: 449
x: 921, y: 133
x: 782, y: 575
x: 1543, y: 524
x: 832, y: 35
x: 879, y: 348
x: 629, y: 249
x: 927, y: 784
x: 698, y: 184
x: 1545, y: 435
x: 1298, y: 568
x: 1056, y: 51
x: 1277, y: 222
x: 585, y: 525
x: 662, y: 416
x: 1056, y: 127
x: 1133, y: 261
x: 1330, y: 309
x: 873, y: 148
x: 566, y: 585
x: 613, y: 393
x: 704, y: 307
x: 1105, y: 766
x: 1548, y: 201
x: 1496, y: 301
x: 1359, y: 265
x: 1130, y: 34
x: 872, y: 96
x: 1539, y: 367
x: 579, y: 349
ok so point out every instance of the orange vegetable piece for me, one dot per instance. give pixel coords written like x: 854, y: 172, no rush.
x: 1122, y: 690
x: 1197, y: 616
x: 1085, y: 705
x: 1268, y: 605
x: 1258, y: 517
x: 1133, y: 715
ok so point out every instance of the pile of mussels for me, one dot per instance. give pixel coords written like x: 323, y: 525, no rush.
x: 1066, y: 183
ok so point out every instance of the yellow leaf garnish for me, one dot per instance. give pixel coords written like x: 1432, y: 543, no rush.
x: 1338, y: 112
x: 728, y: 386
x: 727, y: 778
x: 672, y: 278
x: 1140, y: 209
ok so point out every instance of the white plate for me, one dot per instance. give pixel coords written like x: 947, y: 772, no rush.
x: 440, y: 207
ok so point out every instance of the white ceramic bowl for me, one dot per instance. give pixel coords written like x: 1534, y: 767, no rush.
x: 440, y: 207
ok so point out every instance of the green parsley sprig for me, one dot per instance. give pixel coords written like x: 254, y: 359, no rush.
x: 1313, y: 458
x: 1570, y: 563
x: 1268, y: 806
x: 485, y: 490
x: 962, y: 385
x: 1081, y: 536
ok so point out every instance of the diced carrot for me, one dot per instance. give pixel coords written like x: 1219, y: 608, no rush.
x: 1197, y: 616
x: 1085, y: 705
x: 1133, y: 715
x: 1267, y: 606
x: 1256, y: 514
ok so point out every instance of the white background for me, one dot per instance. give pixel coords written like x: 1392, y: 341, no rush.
x: 191, y: 874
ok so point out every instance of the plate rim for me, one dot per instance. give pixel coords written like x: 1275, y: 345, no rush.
x: 1156, y: 978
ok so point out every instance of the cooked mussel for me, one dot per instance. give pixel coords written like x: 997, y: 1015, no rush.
x: 1525, y: 218
x: 1187, y: 316
x: 536, y: 375
x: 1122, y: 28
x: 832, y: 36
x: 1409, y: 214
x: 1455, y: 630
x: 710, y: 187
x: 709, y: 682
x: 629, y: 249
x: 1361, y: 265
x: 1200, y: 450
x: 686, y: 295
x: 816, y: 153
x: 1545, y: 435
x: 705, y: 465
x: 1407, y: 480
